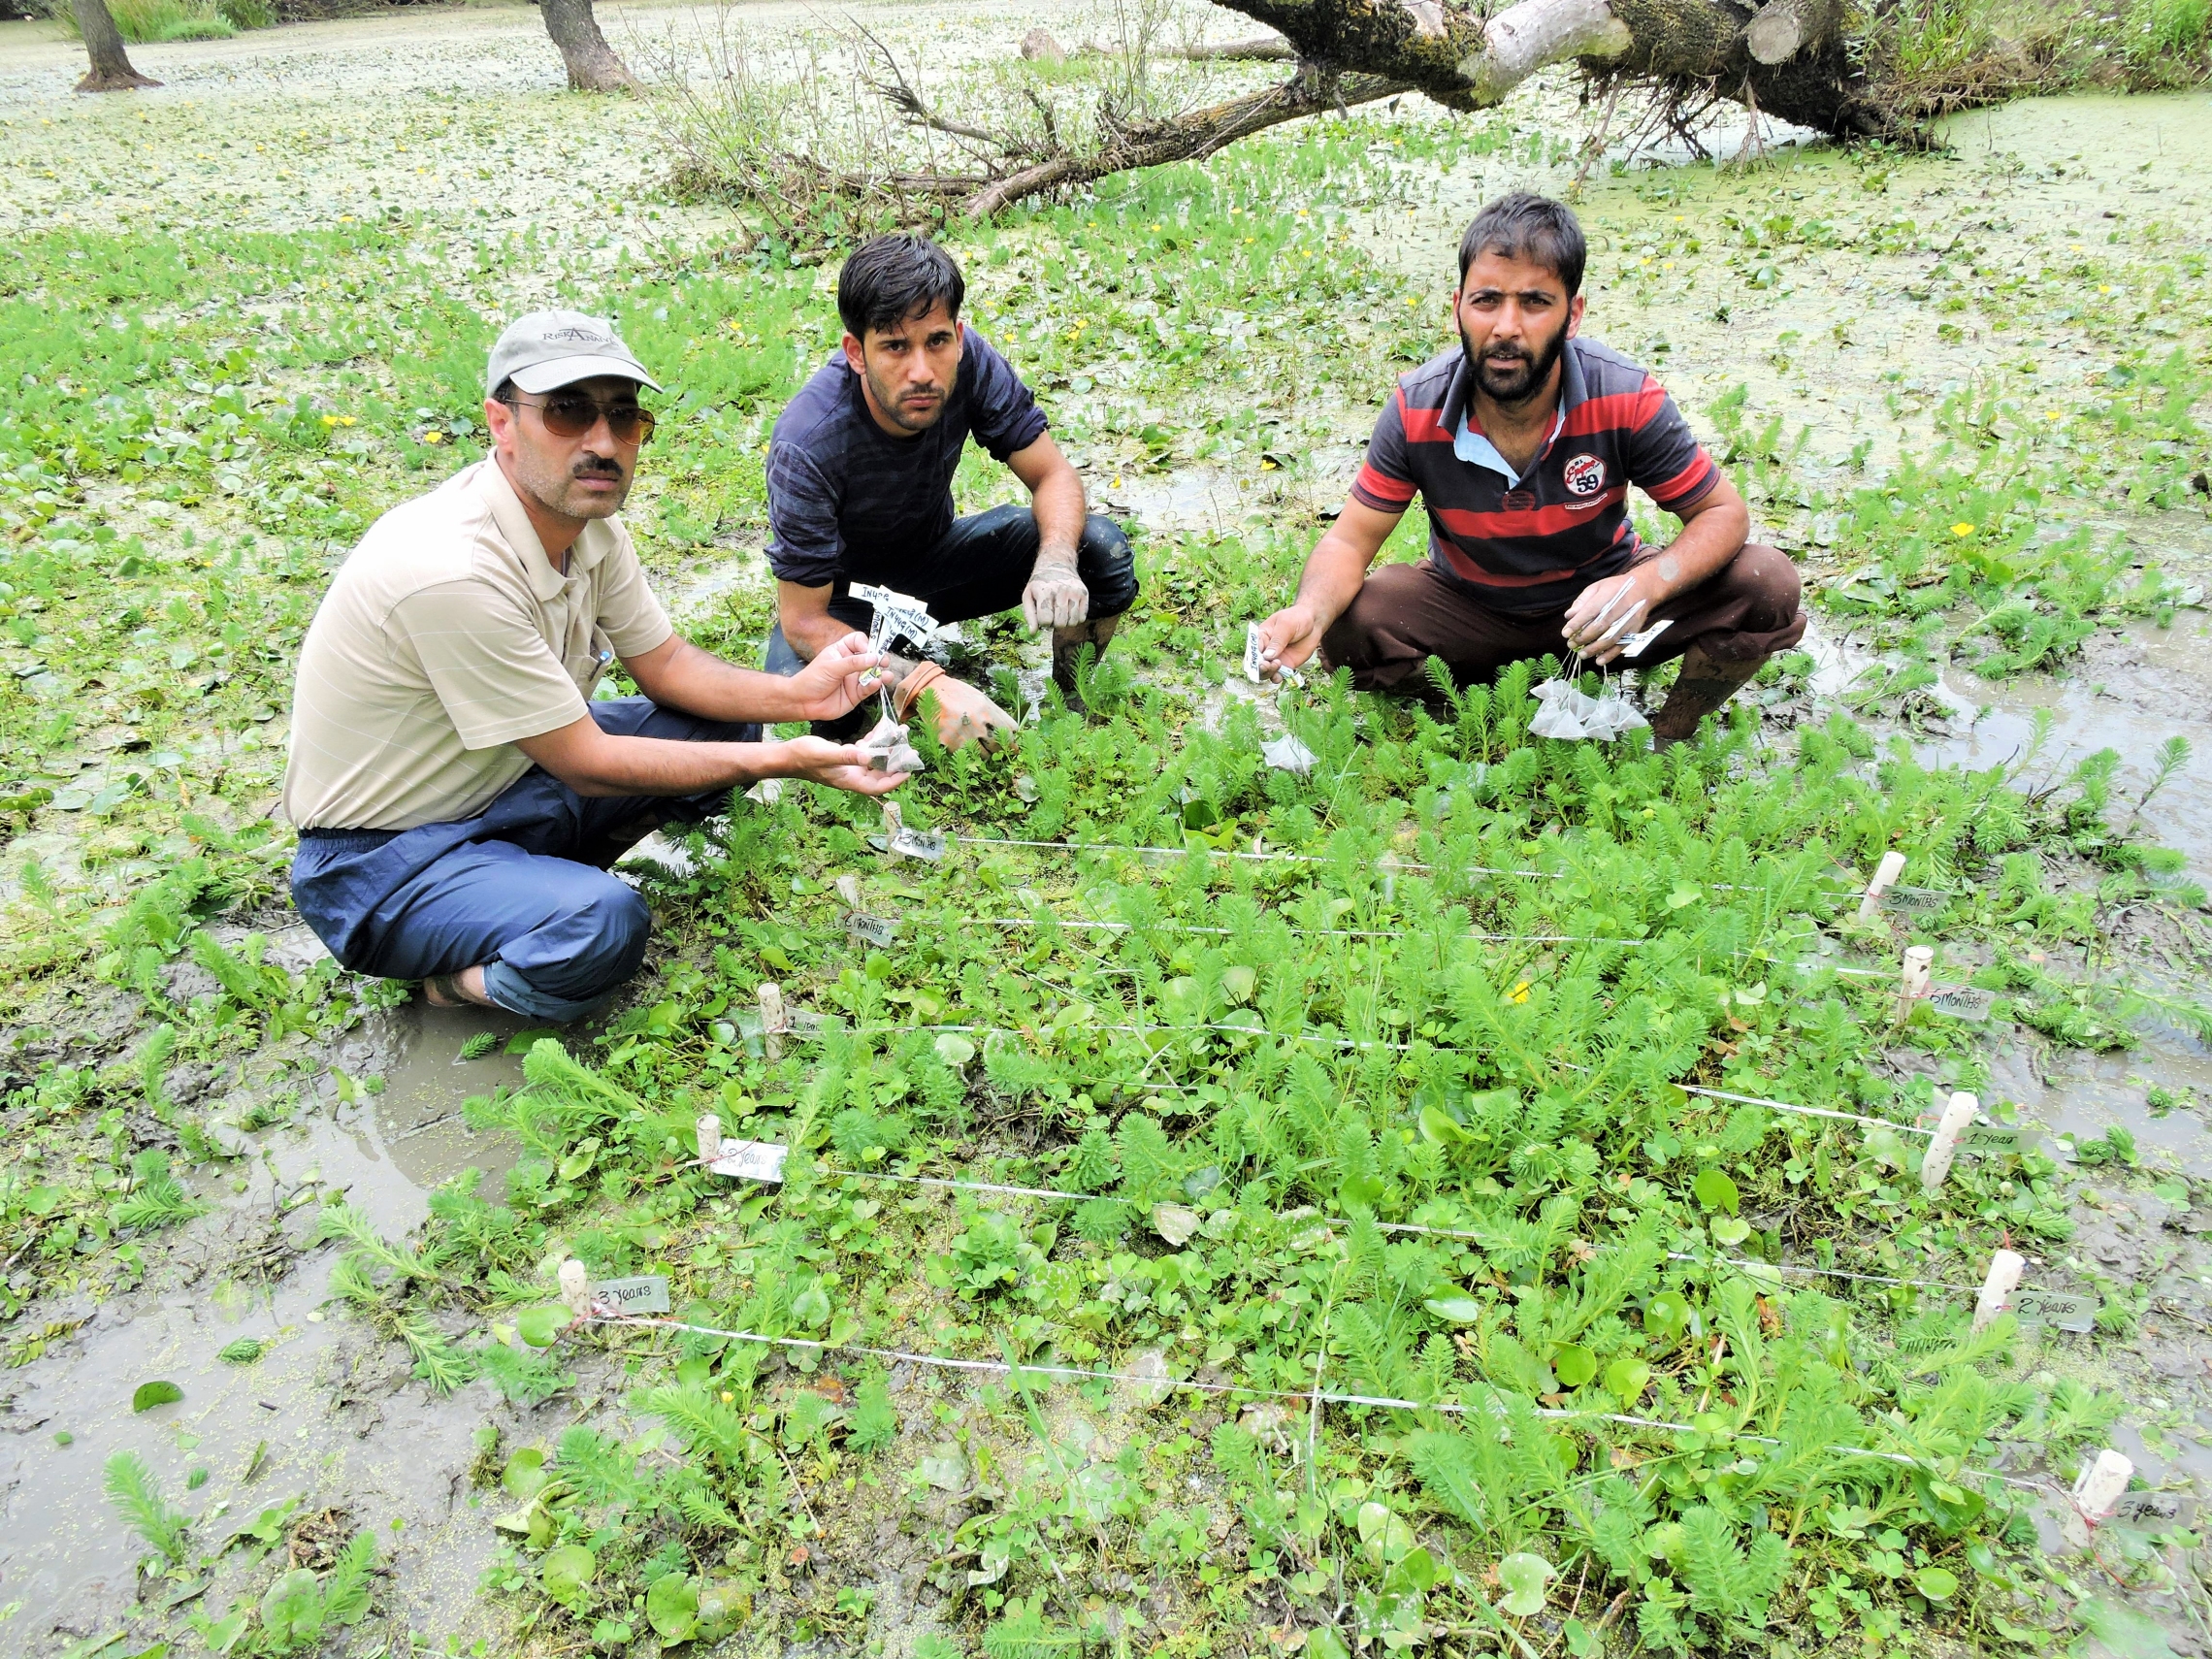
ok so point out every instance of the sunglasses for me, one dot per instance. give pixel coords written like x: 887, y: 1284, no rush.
x: 571, y: 415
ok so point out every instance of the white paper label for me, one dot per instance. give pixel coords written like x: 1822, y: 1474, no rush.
x: 1917, y: 898
x: 2058, y: 1309
x: 647, y: 1294
x: 876, y: 930
x: 751, y: 1161
x: 925, y: 844
x: 1962, y: 1001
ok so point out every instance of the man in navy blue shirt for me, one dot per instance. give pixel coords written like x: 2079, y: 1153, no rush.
x: 861, y: 490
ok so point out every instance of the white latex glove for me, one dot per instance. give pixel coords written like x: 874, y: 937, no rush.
x: 1056, y: 596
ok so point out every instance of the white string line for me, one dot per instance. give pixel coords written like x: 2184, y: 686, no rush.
x: 1311, y: 932
x: 951, y: 1184
x: 1403, y: 866
x: 1395, y: 1047
x: 1002, y: 1368
x: 1226, y: 853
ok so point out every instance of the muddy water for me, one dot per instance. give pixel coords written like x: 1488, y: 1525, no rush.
x: 327, y: 1416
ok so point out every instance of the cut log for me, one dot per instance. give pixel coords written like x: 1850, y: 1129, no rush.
x: 1783, y: 28
x: 1266, y: 48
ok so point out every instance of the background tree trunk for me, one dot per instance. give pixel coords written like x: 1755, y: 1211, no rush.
x: 111, y: 69
x: 593, y: 65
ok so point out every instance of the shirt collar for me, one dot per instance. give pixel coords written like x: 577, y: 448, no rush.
x: 1459, y: 391
x: 596, y: 540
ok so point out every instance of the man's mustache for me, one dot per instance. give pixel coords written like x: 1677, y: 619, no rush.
x: 597, y: 470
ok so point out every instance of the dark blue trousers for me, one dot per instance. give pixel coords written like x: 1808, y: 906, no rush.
x: 978, y: 570
x: 522, y: 889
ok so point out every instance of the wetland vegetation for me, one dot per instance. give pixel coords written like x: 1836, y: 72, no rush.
x: 1398, y: 1263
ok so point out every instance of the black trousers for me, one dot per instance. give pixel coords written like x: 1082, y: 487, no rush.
x: 979, y: 569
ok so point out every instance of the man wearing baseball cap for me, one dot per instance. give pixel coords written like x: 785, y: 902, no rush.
x: 458, y: 788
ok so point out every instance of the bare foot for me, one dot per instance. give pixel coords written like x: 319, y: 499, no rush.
x: 463, y: 989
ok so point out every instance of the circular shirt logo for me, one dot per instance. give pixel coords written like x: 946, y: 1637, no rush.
x: 1585, y: 475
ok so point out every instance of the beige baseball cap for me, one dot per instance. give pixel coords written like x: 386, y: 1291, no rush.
x: 547, y: 349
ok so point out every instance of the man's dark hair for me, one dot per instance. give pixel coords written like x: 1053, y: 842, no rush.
x: 890, y: 279
x: 1523, y: 225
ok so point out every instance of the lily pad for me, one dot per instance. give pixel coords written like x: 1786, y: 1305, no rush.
x: 1716, y: 1191
x: 1385, y: 1535
x: 1936, y: 1583
x: 1627, y: 1379
x: 1177, y: 1223
x: 946, y: 1468
x: 540, y: 1326
x: 565, y: 1572
x: 671, y: 1606
x: 1457, y: 1310
x: 1574, y: 1365
x: 525, y: 1473
x: 1524, y: 1576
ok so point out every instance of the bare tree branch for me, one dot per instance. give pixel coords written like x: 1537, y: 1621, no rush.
x: 1266, y: 48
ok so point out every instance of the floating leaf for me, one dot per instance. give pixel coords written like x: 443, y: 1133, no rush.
x: 244, y: 1351
x: 1457, y: 1310
x: 1522, y: 1576
x: 1936, y: 1583
x: 1666, y: 1316
x: 525, y: 1473
x: 540, y: 1326
x: 1324, y: 1643
x: 671, y: 1606
x: 1716, y: 1191
x: 153, y: 1394
x: 1385, y: 1535
x: 946, y: 1469
x: 1574, y: 1365
x: 1729, y: 1229
x: 1440, y: 1126
x: 1176, y: 1223
x: 1240, y: 983
x: 1627, y: 1379
x: 954, y: 1050
x: 566, y: 1570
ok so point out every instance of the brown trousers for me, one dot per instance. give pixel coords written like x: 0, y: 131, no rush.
x: 1405, y: 614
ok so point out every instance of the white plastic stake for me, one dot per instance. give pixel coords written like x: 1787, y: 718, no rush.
x: 1913, y: 985
x: 2100, y: 1484
x: 576, y: 1287
x: 1945, y: 1146
x: 1885, y: 876
x: 709, y: 1137
x: 775, y: 1020
x: 1390, y: 864
x: 849, y: 891
x: 2004, y: 1271
x: 892, y: 822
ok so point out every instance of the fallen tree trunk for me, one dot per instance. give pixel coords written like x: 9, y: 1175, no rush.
x: 1789, y: 59
x: 110, y: 68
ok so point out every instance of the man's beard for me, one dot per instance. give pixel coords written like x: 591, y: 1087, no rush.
x: 905, y: 416
x: 1519, y: 381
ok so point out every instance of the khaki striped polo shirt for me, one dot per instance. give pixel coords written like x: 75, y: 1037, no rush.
x: 444, y: 636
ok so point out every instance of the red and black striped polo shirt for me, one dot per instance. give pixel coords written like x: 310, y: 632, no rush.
x: 1532, y: 547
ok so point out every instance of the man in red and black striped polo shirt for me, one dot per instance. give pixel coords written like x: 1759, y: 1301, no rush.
x: 1522, y: 445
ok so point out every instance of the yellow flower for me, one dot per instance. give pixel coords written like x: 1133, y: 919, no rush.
x: 2103, y: 288
x: 2054, y: 416
x: 434, y: 436
x: 1962, y: 527
x: 1521, y: 992
x: 728, y: 1398
x: 330, y: 420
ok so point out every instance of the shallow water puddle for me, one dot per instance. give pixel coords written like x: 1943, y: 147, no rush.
x: 328, y: 1414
